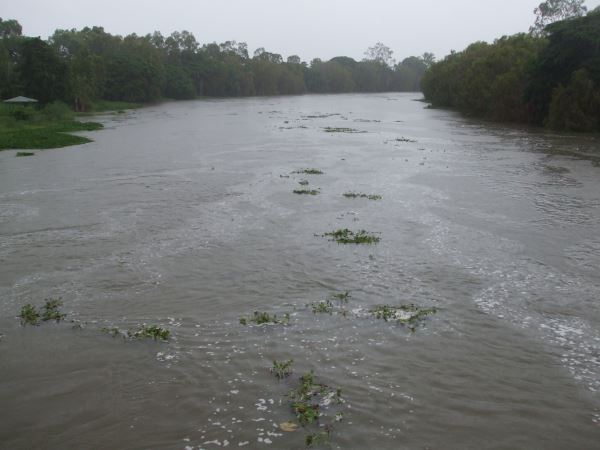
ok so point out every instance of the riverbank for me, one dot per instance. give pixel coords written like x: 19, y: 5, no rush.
x: 26, y: 128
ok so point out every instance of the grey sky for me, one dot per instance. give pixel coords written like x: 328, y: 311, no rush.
x: 309, y: 28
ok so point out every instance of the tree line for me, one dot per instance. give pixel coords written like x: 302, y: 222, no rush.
x: 549, y: 76
x: 79, y: 67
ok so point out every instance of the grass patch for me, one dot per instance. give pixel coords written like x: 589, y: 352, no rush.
x: 410, y: 315
x: 346, y: 236
x: 154, y: 332
x: 342, y: 130
x: 360, y: 195
x: 45, y: 136
x: 22, y: 154
x: 282, y: 369
x: 309, y: 172
x: 306, y: 192
x: 263, y: 318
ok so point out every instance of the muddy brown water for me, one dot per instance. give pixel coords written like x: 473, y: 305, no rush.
x: 182, y: 215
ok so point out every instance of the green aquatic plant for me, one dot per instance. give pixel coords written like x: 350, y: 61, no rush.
x: 322, y: 307
x: 306, y: 192
x: 22, y: 154
x: 410, y: 315
x: 113, y: 331
x: 314, y: 439
x: 282, y: 369
x: 29, y: 315
x: 155, y: 332
x: 264, y: 318
x: 360, y: 195
x: 51, y: 310
x: 343, y: 297
x: 303, y: 183
x: 346, y: 236
x: 342, y: 130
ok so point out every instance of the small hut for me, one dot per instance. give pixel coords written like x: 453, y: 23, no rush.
x: 20, y: 100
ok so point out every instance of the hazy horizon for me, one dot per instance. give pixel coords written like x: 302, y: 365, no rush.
x: 316, y: 29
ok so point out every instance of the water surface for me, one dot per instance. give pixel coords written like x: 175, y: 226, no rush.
x: 183, y: 215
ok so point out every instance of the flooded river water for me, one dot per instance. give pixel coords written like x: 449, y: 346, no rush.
x: 183, y: 215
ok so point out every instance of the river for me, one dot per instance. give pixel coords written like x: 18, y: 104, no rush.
x: 183, y: 215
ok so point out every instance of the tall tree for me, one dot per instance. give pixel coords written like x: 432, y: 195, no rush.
x: 380, y: 53
x: 552, y: 11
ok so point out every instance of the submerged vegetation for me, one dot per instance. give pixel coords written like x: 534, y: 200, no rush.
x: 346, y: 236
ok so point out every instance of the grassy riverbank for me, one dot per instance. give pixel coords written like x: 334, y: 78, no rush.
x: 30, y: 127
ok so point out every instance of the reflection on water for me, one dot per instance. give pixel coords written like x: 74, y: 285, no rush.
x: 182, y: 215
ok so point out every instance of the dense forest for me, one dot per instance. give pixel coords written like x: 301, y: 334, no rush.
x: 550, y: 76
x: 80, y: 67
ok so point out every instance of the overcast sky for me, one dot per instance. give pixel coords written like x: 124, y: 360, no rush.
x: 308, y: 28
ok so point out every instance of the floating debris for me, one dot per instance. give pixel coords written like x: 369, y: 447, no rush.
x: 263, y: 318
x: 303, y: 183
x: 321, y: 116
x: 21, y: 154
x: 360, y: 195
x: 346, y: 236
x: 288, y: 427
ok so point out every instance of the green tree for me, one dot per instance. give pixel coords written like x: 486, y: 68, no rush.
x: 552, y: 11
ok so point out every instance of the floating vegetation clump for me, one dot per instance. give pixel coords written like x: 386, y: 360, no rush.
x: 51, y: 311
x: 303, y: 183
x: 311, y: 402
x: 263, y: 318
x: 309, y: 171
x: 282, y: 369
x: 360, y: 195
x: 29, y: 315
x: 410, y: 315
x: 346, y: 236
x: 113, y: 331
x: 21, y: 154
x: 306, y: 191
x: 367, y: 120
x: 154, y: 332
x: 342, y: 130
x: 403, y: 139
x: 325, y: 306
x: 343, y: 297
x: 321, y: 116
